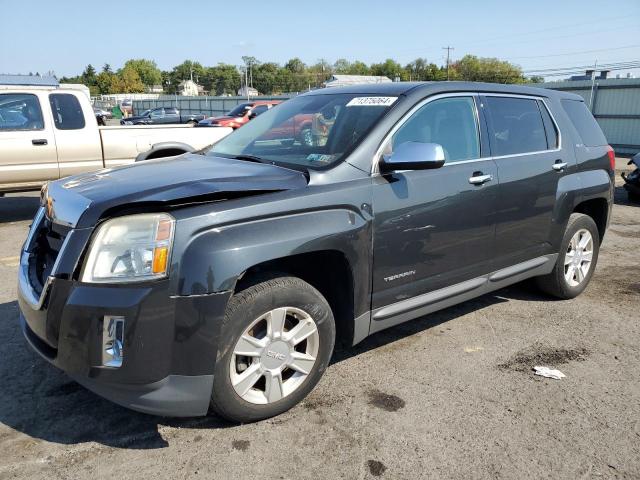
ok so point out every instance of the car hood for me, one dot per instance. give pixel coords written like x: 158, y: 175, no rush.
x: 80, y: 201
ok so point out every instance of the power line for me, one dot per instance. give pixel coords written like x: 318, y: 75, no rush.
x: 578, y: 52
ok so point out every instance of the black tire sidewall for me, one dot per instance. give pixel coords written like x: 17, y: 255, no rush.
x: 242, y: 310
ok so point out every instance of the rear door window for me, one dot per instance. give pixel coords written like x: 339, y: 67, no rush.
x: 516, y: 125
x: 260, y: 109
x: 587, y: 127
x: 20, y: 111
x: 67, y: 112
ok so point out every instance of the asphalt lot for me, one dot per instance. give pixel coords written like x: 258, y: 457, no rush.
x: 451, y: 395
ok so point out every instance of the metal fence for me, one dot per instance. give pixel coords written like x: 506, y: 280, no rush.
x: 212, y: 106
x: 616, y: 105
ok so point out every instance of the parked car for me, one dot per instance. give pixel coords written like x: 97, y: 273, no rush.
x: 46, y: 134
x: 162, y: 115
x: 240, y: 114
x: 222, y: 281
x: 101, y: 115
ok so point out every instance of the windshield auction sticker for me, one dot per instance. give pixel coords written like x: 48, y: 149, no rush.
x: 371, y: 101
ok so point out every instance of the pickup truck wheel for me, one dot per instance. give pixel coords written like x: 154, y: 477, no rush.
x: 193, y: 123
x: 577, y: 259
x: 276, y: 342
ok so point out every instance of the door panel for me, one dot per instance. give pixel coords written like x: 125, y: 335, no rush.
x: 27, y: 142
x: 77, y: 137
x: 525, y: 151
x: 432, y: 228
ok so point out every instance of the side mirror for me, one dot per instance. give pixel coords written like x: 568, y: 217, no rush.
x: 252, y: 115
x: 413, y: 156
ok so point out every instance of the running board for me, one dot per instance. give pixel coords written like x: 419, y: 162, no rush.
x: 426, y: 303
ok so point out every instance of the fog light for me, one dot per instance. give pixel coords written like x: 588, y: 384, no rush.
x: 112, y: 341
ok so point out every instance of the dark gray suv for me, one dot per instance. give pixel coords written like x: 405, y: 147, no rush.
x: 221, y: 281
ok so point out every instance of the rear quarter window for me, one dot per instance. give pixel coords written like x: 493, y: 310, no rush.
x: 67, y: 112
x: 586, y: 126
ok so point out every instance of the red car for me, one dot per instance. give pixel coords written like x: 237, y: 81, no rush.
x: 240, y: 115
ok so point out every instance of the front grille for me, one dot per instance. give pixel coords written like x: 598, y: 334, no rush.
x: 47, y: 242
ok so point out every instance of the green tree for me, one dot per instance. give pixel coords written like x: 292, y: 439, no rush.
x: 89, y: 76
x: 475, y: 69
x: 127, y: 81
x: 106, y: 68
x: 265, y: 78
x: 421, y: 70
x: 223, y: 79
x: 389, y: 68
x: 147, y: 70
x: 104, y: 82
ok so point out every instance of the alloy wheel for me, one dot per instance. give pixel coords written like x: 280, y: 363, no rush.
x: 274, y: 355
x: 578, y: 258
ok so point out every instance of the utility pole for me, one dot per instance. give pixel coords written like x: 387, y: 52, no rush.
x: 448, y: 49
x: 593, y: 81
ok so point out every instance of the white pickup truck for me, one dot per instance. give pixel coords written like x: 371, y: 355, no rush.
x: 49, y: 132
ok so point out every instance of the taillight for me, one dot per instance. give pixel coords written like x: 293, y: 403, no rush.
x: 612, y: 158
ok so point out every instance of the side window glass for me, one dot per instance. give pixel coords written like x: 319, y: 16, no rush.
x: 20, y: 111
x: 170, y: 111
x: 158, y: 112
x: 67, y: 112
x: 450, y: 122
x: 549, y: 126
x: 516, y: 126
x: 260, y: 109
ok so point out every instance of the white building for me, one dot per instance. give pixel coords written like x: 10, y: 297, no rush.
x: 345, y: 80
x: 242, y: 92
x: 189, y: 88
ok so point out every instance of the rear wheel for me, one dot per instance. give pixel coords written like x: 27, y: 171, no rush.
x: 576, y: 261
x: 277, y: 340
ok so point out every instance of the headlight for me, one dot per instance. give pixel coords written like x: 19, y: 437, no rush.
x: 130, y: 249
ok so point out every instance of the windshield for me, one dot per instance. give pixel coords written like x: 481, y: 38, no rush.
x: 240, y: 110
x: 310, y: 131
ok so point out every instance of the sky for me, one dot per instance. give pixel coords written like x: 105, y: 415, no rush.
x: 64, y: 36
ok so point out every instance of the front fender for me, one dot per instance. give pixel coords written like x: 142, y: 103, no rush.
x: 215, y: 258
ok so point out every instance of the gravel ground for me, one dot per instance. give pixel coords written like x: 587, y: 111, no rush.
x: 451, y: 395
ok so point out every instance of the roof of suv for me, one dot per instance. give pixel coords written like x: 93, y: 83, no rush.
x: 430, y: 88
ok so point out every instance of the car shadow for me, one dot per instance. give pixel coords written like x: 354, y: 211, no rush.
x: 16, y: 208
x: 522, y: 291
x: 41, y: 401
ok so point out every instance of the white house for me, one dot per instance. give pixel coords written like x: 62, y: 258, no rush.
x: 242, y: 92
x: 189, y: 88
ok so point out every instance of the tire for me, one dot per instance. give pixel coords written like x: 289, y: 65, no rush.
x: 556, y: 283
x: 306, y: 137
x: 237, y: 395
x: 193, y: 123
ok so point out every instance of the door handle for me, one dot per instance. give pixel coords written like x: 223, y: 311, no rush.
x: 559, y: 165
x: 478, y: 178
x: 39, y: 141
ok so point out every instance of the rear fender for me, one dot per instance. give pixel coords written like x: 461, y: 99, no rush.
x: 573, y: 189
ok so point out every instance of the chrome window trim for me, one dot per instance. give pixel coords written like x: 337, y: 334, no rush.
x: 476, y: 97
x: 414, y: 109
x: 555, y: 123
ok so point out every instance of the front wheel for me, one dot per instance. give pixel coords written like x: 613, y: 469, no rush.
x: 277, y: 340
x: 576, y: 261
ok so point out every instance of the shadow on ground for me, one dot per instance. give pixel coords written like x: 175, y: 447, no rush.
x: 42, y: 402
x: 17, y: 208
